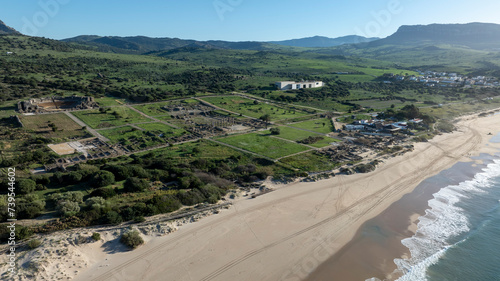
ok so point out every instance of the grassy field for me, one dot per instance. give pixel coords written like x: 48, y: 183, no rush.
x: 316, y: 125
x: 65, y: 127
x: 310, y: 161
x: 161, y: 129
x: 115, y: 116
x: 121, y: 134
x: 157, y: 109
x: 249, y: 108
x: 264, y: 145
x: 153, y: 134
x: 297, y: 135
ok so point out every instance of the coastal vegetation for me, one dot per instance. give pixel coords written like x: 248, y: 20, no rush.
x: 165, y: 163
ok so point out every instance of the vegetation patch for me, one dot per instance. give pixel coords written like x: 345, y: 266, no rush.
x: 254, y: 108
x: 56, y: 125
x: 110, y: 117
x: 323, y: 126
x: 264, y: 145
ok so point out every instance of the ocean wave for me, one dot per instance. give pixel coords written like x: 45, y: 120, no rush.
x: 442, y: 221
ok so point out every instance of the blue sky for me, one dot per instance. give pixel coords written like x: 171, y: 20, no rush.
x: 236, y: 20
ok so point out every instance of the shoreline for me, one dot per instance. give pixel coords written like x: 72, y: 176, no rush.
x: 371, y: 253
x: 288, y: 233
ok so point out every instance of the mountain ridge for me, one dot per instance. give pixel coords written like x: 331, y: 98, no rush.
x: 324, y: 42
x: 5, y: 29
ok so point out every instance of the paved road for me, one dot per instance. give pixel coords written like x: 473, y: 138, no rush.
x: 81, y: 123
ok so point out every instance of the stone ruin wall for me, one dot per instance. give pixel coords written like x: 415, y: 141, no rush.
x: 77, y: 103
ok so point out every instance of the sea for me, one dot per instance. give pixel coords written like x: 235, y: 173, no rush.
x: 458, y: 238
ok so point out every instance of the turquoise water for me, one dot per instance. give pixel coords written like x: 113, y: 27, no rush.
x: 459, y: 237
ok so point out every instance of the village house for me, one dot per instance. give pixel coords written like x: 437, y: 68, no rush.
x: 290, y: 85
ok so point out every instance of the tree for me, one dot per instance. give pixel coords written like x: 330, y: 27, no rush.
x: 275, y: 131
x: 104, y: 192
x: 26, y: 186
x: 135, y: 185
x: 103, y: 178
x: 266, y: 118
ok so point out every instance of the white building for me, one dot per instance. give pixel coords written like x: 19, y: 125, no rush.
x: 290, y: 85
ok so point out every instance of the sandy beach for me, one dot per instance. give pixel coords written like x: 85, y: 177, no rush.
x: 288, y: 233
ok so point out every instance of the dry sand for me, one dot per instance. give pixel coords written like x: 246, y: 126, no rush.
x: 288, y: 233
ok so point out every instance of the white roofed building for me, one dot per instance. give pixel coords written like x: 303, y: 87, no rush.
x: 290, y: 85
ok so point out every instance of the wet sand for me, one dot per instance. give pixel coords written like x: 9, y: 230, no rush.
x: 371, y: 253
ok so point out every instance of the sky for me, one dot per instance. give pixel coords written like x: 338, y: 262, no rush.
x: 236, y: 20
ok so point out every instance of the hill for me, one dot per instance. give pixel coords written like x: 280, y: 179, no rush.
x: 143, y: 44
x: 479, y: 36
x: 4, y: 29
x: 321, y: 41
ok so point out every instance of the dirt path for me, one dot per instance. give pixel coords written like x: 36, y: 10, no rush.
x: 81, y: 123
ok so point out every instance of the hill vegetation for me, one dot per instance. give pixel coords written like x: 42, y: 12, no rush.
x: 155, y: 95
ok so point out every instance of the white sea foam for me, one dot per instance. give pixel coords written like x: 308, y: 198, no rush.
x: 442, y: 221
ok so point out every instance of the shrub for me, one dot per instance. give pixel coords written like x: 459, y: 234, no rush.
x: 135, y: 185
x: 191, y: 197
x: 25, y: 186
x: 96, y: 236
x: 104, y: 192
x: 35, y: 243
x: 139, y: 219
x: 87, y: 170
x: 95, y: 200
x: 120, y: 172
x: 73, y: 177
x: 165, y: 203
x: 73, y: 196
x: 275, y: 131
x: 68, y: 208
x: 113, y: 217
x: 132, y: 239
x: 23, y: 232
x: 103, y: 178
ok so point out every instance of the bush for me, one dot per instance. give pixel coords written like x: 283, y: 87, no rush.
x: 113, y: 217
x: 139, y: 219
x: 23, y: 232
x: 30, y: 209
x: 120, y: 172
x: 96, y: 236
x: 68, y: 208
x: 73, y: 196
x: 165, y: 203
x: 135, y: 185
x: 103, y: 178
x: 73, y: 177
x: 132, y: 239
x: 104, y: 192
x: 275, y: 131
x: 191, y: 197
x: 35, y: 243
x: 25, y: 186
